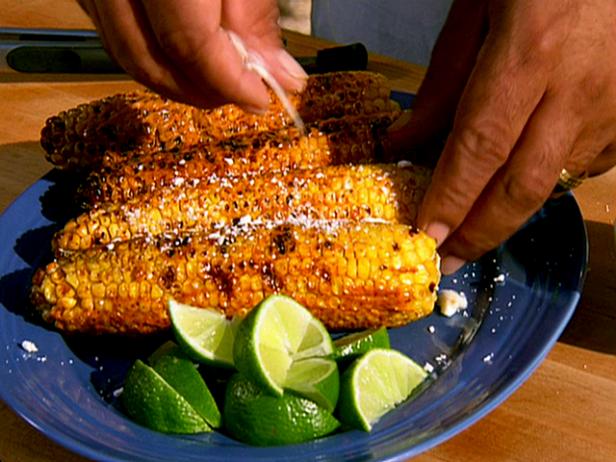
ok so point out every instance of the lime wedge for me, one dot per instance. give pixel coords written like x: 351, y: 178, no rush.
x: 257, y: 418
x: 356, y: 344
x: 375, y: 384
x: 149, y: 400
x: 169, y: 347
x: 181, y: 373
x: 206, y: 335
x: 276, y: 333
x: 316, y: 379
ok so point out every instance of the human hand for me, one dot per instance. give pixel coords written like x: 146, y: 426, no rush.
x: 182, y: 49
x: 527, y: 88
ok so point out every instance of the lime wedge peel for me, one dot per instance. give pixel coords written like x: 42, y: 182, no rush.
x: 258, y: 418
x: 374, y: 385
x: 206, y: 335
x: 357, y: 343
x: 150, y: 401
x: 181, y: 373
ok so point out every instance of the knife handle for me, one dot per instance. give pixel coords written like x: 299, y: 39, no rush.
x: 91, y: 58
x: 61, y: 60
x: 353, y: 57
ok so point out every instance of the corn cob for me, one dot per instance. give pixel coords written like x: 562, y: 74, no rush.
x: 350, y: 275
x: 330, y: 95
x: 141, y: 120
x: 77, y: 138
x: 380, y: 191
x: 348, y: 140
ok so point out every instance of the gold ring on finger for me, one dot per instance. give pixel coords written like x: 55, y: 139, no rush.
x: 567, y: 181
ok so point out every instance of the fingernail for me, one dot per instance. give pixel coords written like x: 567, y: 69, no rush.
x: 293, y: 68
x: 401, y: 121
x: 439, y: 231
x: 450, y: 264
x: 290, y: 65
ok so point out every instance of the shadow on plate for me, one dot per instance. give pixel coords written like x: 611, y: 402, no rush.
x: 110, y: 358
x: 14, y: 295
x: 58, y: 204
x: 61, y: 202
x: 540, y: 251
x: 34, y: 246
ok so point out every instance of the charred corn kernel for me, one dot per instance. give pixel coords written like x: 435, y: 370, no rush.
x: 144, y: 121
x: 308, y: 194
x: 338, y: 289
x: 287, y: 148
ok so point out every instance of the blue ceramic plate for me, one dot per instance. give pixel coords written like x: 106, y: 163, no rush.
x: 521, y: 296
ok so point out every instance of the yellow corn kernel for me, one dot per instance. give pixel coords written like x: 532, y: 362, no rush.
x: 133, y: 290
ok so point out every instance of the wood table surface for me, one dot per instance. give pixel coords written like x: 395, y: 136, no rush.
x: 566, y: 411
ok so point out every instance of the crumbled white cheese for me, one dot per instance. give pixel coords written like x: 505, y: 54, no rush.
x: 431, y: 329
x: 450, y: 302
x: 29, y: 346
x: 429, y: 368
x: 500, y: 278
x: 178, y: 181
x: 245, y: 220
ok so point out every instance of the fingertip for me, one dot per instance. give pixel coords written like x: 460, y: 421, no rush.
x: 291, y: 66
x: 450, y: 264
x: 251, y: 93
x: 401, y: 122
x: 286, y: 70
x: 253, y: 109
x: 438, y: 231
x: 260, y: 99
x: 411, y: 137
x: 398, y: 138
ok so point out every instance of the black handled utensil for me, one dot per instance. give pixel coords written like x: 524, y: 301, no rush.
x: 62, y: 51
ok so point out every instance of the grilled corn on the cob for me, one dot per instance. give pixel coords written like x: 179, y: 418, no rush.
x: 347, y: 140
x: 350, y: 275
x: 142, y: 120
x: 379, y: 191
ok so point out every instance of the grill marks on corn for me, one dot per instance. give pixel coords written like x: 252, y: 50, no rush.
x: 220, y: 208
x: 142, y: 121
x: 349, y: 274
x: 364, y: 192
x: 350, y: 140
x: 283, y: 241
